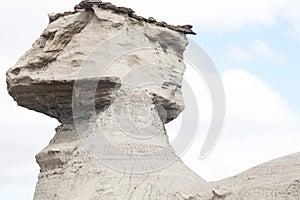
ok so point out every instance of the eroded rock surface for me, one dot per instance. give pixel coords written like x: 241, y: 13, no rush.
x: 54, y: 61
x: 113, y: 79
x: 275, y: 180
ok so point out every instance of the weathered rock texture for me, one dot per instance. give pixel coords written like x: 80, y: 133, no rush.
x: 44, y: 78
x: 136, y: 94
x: 275, y: 180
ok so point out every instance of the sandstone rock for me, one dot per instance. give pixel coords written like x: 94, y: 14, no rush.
x: 57, y: 55
x: 54, y: 16
x: 275, y: 180
x: 112, y: 81
x: 151, y: 20
x: 87, y: 5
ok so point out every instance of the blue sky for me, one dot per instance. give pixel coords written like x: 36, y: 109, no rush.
x: 281, y: 72
x: 254, y: 44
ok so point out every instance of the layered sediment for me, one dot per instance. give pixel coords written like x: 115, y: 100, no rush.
x: 113, y: 80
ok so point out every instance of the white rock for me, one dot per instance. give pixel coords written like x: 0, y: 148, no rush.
x: 113, y: 79
x: 109, y: 132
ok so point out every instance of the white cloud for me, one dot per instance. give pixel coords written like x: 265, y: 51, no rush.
x: 259, y: 123
x: 22, y: 23
x: 219, y: 15
x: 23, y: 133
x: 261, y: 49
x: 236, y: 54
x: 290, y: 11
x: 209, y: 15
x: 258, y: 50
x: 259, y: 127
x: 214, y: 15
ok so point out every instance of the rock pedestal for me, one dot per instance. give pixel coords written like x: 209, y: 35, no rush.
x: 113, y: 79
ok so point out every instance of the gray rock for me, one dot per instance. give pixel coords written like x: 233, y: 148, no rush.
x: 113, y: 82
x: 275, y: 180
x: 113, y: 79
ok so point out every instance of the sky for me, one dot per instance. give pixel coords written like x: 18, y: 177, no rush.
x: 255, y: 46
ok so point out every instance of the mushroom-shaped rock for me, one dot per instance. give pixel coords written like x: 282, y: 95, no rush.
x: 113, y: 79
x: 43, y: 79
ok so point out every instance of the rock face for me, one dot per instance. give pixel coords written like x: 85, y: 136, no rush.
x: 113, y: 79
x: 275, y: 180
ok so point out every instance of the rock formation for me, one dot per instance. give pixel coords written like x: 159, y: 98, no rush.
x: 275, y: 180
x: 113, y: 79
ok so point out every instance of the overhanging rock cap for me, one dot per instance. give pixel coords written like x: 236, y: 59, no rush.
x: 88, y: 5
